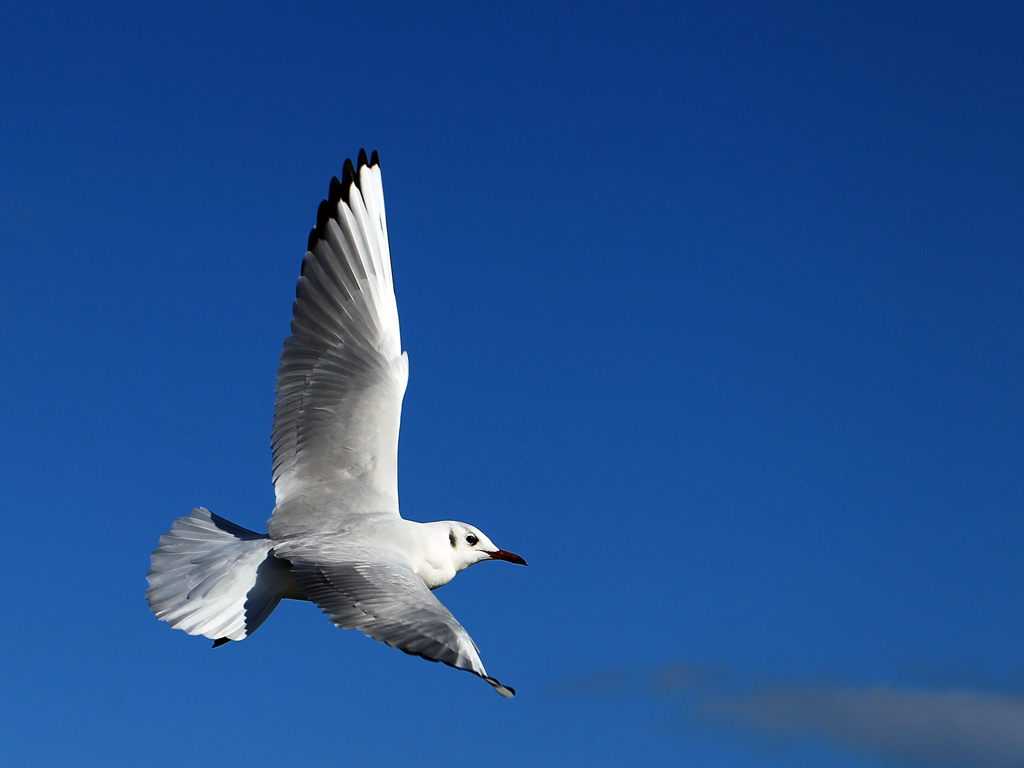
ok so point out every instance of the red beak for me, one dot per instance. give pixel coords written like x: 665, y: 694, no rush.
x: 501, y: 554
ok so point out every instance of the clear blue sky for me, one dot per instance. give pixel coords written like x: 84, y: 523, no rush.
x: 715, y: 314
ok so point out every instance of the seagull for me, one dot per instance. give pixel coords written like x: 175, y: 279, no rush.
x: 336, y: 537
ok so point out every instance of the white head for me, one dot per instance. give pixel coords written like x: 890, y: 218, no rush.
x: 469, y: 546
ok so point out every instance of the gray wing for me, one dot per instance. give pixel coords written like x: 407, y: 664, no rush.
x: 342, y: 374
x: 391, y: 604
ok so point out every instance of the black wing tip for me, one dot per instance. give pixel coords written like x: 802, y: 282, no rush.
x: 334, y: 190
x: 221, y: 641
x: 374, y: 159
x: 505, y: 690
x: 338, y: 191
x: 324, y: 212
x: 348, y: 178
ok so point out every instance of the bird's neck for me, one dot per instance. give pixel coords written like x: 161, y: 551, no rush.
x: 430, y: 553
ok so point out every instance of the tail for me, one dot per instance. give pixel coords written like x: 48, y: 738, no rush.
x: 214, y: 578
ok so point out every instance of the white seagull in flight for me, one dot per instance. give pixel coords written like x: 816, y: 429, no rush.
x: 336, y: 536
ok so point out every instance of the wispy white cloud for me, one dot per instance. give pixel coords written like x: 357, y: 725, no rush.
x: 925, y: 727
x: 940, y: 728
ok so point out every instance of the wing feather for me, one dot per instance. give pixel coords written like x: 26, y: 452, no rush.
x: 342, y: 373
x: 391, y: 604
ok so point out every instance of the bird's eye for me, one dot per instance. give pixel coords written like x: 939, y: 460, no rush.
x: 472, y: 540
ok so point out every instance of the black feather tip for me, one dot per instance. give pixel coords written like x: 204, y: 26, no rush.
x: 334, y: 191
x: 323, y: 213
x: 348, y: 178
x: 221, y: 641
x: 337, y: 191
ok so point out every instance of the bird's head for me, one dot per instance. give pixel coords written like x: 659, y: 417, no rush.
x: 470, y: 546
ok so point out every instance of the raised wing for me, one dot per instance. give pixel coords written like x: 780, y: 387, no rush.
x: 342, y: 373
x: 392, y: 604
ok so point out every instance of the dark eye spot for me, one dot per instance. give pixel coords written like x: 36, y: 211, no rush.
x: 451, y: 538
x: 472, y: 540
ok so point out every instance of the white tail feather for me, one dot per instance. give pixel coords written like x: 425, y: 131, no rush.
x: 214, y: 578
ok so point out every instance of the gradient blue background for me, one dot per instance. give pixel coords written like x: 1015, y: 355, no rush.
x: 714, y: 314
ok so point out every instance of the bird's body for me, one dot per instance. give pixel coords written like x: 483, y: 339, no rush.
x: 336, y: 537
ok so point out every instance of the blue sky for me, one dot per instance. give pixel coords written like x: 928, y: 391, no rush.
x: 713, y: 314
